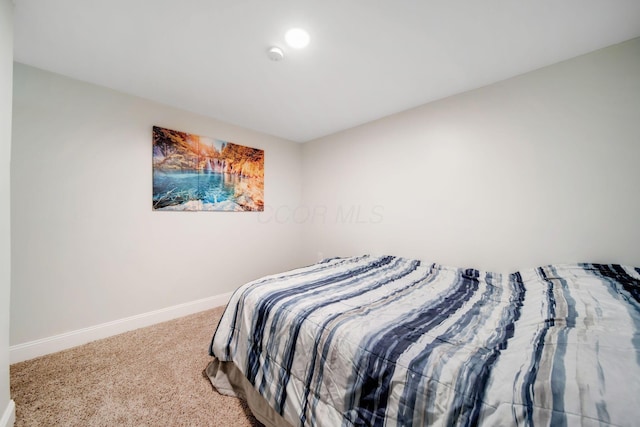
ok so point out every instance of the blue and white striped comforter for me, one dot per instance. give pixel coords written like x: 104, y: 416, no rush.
x: 390, y: 341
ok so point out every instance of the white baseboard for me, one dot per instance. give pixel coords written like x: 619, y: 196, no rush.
x: 32, y: 349
x: 9, y: 415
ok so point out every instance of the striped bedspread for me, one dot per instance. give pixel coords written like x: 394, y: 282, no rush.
x: 388, y: 341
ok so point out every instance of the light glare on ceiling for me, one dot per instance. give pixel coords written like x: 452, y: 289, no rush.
x: 297, y: 38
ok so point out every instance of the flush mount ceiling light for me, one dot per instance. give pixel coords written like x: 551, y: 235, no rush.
x: 297, y: 38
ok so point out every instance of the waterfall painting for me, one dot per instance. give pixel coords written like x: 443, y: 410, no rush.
x: 198, y: 173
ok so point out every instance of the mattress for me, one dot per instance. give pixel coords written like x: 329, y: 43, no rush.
x: 390, y: 341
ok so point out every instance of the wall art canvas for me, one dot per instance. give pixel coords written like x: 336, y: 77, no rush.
x: 198, y: 173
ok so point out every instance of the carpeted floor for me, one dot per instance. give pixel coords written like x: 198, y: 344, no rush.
x: 148, y: 377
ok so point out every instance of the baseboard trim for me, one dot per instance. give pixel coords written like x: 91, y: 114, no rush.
x: 32, y: 349
x: 9, y: 415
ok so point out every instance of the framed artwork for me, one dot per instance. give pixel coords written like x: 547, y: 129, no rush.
x: 199, y: 173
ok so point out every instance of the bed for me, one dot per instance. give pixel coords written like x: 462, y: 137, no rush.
x: 390, y: 341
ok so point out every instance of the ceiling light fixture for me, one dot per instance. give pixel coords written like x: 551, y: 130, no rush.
x: 297, y: 38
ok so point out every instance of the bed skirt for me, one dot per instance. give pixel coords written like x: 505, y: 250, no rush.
x: 227, y: 379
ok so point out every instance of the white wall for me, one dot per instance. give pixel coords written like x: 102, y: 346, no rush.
x: 542, y: 168
x: 87, y: 247
x: 6, y: 71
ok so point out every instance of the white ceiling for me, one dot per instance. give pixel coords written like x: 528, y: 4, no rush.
x: 366, y: 59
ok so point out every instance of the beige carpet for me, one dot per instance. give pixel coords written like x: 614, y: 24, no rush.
x: 148, y: 377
